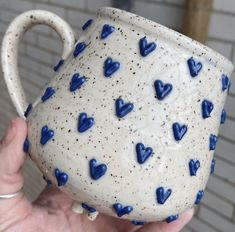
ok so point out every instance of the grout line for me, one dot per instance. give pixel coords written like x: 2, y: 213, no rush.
x: 231, y: 94
x: 227, y: 139
x: 224, y: 13
x: 224, y: 180
x: 208, y: 224
x: 217, y: 195
x: 220, y: 157
x: 231, y: 118
x: 221, y: 40
x: 215, y: 211
x: 164, y: 3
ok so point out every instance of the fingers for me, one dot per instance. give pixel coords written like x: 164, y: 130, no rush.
x: 175, y: 226
x: 12, y: 158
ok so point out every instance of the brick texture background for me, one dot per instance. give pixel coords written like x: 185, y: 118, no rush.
x: 41, y: 49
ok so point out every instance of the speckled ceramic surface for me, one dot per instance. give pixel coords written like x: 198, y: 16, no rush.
x: 129, y: 124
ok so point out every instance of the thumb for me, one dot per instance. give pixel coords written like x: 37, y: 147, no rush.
x: 12, y: 159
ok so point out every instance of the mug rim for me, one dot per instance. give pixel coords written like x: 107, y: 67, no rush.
x: 154, y: 28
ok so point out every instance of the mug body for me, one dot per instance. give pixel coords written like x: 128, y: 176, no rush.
x: 131, y: 118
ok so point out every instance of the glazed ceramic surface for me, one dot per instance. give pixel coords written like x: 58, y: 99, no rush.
x: 129, y: 124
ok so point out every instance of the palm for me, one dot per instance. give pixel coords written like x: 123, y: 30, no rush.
x: 56, y: 207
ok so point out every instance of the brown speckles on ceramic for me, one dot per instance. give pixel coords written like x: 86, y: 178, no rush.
x: 128, y: 175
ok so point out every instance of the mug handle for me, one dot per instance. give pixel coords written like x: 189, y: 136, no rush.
x: 10, y: 44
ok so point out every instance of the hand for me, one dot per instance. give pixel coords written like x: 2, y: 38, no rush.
x: 51, y: 212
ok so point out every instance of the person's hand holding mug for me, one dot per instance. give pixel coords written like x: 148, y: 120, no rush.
x: 52, y: 210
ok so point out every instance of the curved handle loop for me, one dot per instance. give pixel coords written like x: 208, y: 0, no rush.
x: 10, y: 45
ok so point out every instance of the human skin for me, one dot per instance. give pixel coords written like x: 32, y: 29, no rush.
x: 51, y: 211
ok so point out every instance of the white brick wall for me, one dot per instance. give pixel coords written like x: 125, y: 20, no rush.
x: 41, y: 49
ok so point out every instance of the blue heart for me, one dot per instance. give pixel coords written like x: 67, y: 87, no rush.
x: 97, y: 171
x: 143, y: 153
x: 179, y: 131
x: 163, y: 195
x: 121, y: 210
x: 85, y: 123
x: 76, y: 82
x: 26, y: 145
x: 28, y: 110
x: 194, y: 67
x: 87, y: 24
x: 138, y: 223
x: 123, y: 109
x: 162, y: 90
x: 146, y: 48
x: 193, y: 167
x: 47, y: 94
x: 213, y: 141
x: 172, y: 218
x: 88, y: 208
x: 223, y: 116
x: 80, y: 47
x: 212, y: 166
x: 199, y: 197
x: 225, y: 82
x: 59, y: 64
x: 61, y: 177
x: 46, y: 135
x: 110, y: 67
x: 207, y: 107
x: 48, y: 181
x: 107, y: 30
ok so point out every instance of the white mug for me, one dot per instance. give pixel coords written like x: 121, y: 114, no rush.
x: 128, y: 125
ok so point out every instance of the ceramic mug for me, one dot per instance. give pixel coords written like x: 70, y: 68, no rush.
x: 128, y: 125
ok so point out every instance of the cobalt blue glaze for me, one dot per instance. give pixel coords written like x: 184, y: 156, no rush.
x: 110, y: 67
x: 121, y: 210
x: 145, y: 47
x: 213, y: 163
x: 223, y: 116
x: 122, y: 109
x: 162, y: 195
x: 143, y: 153
x: 61, y: 177
x: 87, y: 24
x: 179, y: 131
x: 47, y: 94
x: 60, y: 63
x: 46, y: 135
x: 26, y: 145
x: 76, y: 82
x: 97, y: 171
x: 28, y: 110
x: 162, y: 90
x: 194, y: 67
x: 213, y: 141
x: 199, y: 197
x: 80, y: 47
x: 207, y: 108
x: 88, y: 208
x: 47, y: 181
x: 172, y: 218
x: 85, y: 123
x: 138, y: 223
x: 193, y: 167
x: 107, y: 30
x: 225, y: 82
